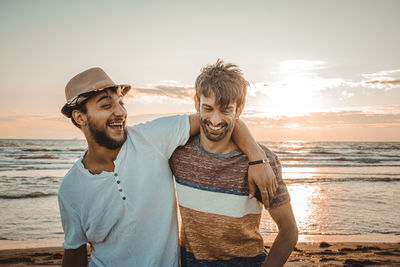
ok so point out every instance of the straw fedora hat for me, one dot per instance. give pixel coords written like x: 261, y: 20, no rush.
x: 91, y: 80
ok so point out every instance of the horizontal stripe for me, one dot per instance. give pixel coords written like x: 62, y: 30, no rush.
x: 212, y: 189
x: 217, y: 237
x: 217, y: 203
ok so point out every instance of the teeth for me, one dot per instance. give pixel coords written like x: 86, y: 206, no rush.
x: 214, y: 128
x: 116, y: 124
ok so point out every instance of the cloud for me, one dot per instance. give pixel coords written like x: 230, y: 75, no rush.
x: 310, y: 84
x: 167, y: 91
x: 387, y: 80
x: 298, y: 89
x: 347, y: 94
x: 366, y: 117
x: 298, y: 85
x: 390, y: 82
x: 383, y: 73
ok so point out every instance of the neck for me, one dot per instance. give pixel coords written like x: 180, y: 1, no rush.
x: 99, y: 158
x: 223, y: 146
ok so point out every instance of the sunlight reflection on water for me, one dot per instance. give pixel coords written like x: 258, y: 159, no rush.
x: 342, y: 208
x: 299, y: 173
x: 304, y: 200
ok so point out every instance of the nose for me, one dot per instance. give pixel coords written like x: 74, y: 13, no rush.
x: 215, y: 118
x: 119, y: 109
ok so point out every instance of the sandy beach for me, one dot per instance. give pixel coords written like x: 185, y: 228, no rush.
x: 331, y: 252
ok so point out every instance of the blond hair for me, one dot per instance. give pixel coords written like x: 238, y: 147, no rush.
x: 225, y: 80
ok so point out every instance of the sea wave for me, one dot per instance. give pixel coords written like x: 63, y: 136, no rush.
x: 51, y: 150
x: 349, y: 158
x: 348, y: 179
x: 76, y: 149
x: 383, y: 146
x: 320, y: 165
x: 47, y: 156
x: 8, y: 144
x: 43, y: 167
x: 323, y: 152
x: 27, y: 195
x: 40, y: 150
x: 385, y: 232
x: 361, y: 160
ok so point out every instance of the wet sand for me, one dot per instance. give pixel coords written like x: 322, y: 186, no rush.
x: 319, y: 253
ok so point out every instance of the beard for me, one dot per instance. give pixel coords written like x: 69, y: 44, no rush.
x: 212, y: 137
x: 102, y: 139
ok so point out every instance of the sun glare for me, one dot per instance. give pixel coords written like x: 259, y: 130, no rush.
x: 302, y: 202
x: 297, y: 89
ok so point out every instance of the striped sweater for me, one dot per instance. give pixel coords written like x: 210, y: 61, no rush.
x: 220, y: 224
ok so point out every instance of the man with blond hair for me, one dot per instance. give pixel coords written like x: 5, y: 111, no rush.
x: 220, y: 223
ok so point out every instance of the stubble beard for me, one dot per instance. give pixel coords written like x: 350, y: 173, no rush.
x: 102, y: 139
x: 211, y: 137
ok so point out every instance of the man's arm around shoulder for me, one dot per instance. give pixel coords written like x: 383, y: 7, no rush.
x: 75, y: 257
x: 260, y: 175
x: 286, y: 239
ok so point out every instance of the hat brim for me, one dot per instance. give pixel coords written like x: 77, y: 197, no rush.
x: 67, y: 109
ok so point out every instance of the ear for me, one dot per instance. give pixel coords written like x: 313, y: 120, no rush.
x: 239, y: 111
x: 79, y: 117
x: 196, y: 103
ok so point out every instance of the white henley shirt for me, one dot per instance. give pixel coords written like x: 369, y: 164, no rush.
x: 128, y: 215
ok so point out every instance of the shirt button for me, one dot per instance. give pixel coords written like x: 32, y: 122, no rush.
x: 123, y: 198
x: 118, y: 182
x: 115, y: 174
x: 120, y: 190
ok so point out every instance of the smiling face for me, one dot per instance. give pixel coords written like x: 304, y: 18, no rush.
x: 216, y: 122
x: 105, y: 120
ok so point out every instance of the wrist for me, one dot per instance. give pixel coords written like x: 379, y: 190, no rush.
x: 255, y: 162
x: 257, y: 154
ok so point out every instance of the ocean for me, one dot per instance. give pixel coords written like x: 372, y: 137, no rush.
x: 336, y: 188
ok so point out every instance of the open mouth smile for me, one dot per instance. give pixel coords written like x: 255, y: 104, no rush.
x: 215, y: 128
x: 116, y: 124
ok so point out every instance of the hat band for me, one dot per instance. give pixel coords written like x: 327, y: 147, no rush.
x: 74, y: 100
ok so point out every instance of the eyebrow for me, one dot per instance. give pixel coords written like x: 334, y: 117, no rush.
x: 103, y: 97
x: 206, y: 105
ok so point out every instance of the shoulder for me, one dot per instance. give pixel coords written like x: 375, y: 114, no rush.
x: 159, y: 122
x: 71, y: 181
x: 184, y: 151
x: 272, y: 157
x: 160, y: 129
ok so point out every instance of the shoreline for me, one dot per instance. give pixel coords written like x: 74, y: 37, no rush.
x: 305, y: 254
x: 268, y: 238
x: 311, y: 250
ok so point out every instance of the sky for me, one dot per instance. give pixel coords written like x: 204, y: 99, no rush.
x: 318, y: 70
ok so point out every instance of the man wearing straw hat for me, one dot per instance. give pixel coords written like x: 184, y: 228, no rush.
x: 119, y: 196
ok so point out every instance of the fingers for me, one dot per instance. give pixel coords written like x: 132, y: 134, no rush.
x: 265, y: 198
x: 252, y: 188
x: 269, y: 188
x: 272, y: 184
x: 271, y: 192
x: 263, y: 177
